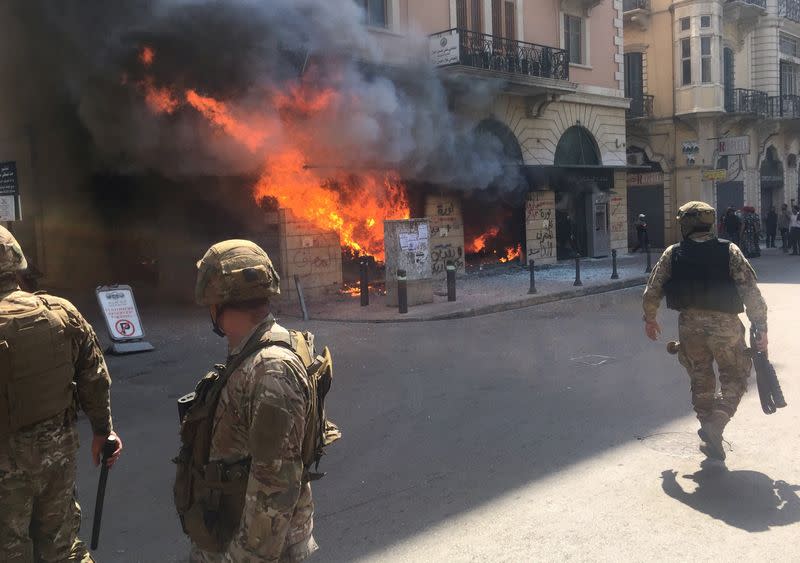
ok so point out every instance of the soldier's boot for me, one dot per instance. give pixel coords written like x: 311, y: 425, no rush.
x: 711, y: 433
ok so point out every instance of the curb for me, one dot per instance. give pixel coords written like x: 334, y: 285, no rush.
x: 526, y: 302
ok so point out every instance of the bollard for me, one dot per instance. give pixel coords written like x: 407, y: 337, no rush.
x: 614, y: 274
x: 578, y: 270
x: 364, y: 282
x: 402, y: 292
x: 532, y: 289
x: 649, y: 268
x: 451, y: 281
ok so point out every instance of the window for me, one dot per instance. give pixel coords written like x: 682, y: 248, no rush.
x: 705, y: 59
x: 376, y: 12
x: 511, y: 27
x: 686, y: 62
x: 705, y: 21
x: 503, y: 19
x: 789, y: 75
x: 685, y: 24
x: 468, y: 14
x: 573, y: 38
x: 788, y: 45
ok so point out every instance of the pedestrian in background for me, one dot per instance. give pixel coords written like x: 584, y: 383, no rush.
x: 784, y: 224
x: 51, y: 366
x: 732, y: 225
x: 750, y: 233
x: 771, y: 224
x: 642, y: 238
x: 794, y: 231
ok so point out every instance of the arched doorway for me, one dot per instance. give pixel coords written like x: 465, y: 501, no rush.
x: 582, y: 188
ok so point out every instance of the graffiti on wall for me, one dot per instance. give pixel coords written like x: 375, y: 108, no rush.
x: 540, y: 212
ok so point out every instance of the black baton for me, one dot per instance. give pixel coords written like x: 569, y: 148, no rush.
x: 109, y: 448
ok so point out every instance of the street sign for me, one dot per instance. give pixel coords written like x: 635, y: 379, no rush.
x: 445, y: 49
x: 122, y: 319
x: 733, y: 146
x: 10, y: 208
x: 716, y: 175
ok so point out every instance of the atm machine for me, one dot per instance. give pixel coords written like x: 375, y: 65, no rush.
x: 598, y: 222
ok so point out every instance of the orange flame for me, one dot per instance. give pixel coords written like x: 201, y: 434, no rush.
x: 479, y: 243
x: 352, y: 205
x: 512, y: 253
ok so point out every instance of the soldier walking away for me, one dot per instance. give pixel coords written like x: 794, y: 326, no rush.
x: 784, y: 223
x: 256, y: 427
x: 56, y: 366
x: 710, y: 282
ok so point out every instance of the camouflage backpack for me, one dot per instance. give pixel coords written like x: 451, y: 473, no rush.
x: 210, y: 496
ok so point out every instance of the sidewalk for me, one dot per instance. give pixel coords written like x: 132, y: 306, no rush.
x: 495, y: 288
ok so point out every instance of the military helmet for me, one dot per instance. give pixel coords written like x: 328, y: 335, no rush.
x: 696, y: 216
x: 233, y: 271
x: 12, y: 260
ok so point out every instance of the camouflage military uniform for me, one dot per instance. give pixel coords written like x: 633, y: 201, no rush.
x: 262, y: 415
x: 40, y: 517
x: 708, y: 336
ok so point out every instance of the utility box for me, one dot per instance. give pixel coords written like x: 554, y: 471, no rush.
x: 407, y: 246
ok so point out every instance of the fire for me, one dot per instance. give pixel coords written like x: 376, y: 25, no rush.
x: 354, y: 205
x: 512, y: 253
x: 479, y: 243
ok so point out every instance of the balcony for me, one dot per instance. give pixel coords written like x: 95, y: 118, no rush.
x: 741, y: 100
x: 641, y: 107
x: 789, y: 9
x: 636, y: 12
x: 744, y: 10
x: 519, y: 63
x: 784, y: 107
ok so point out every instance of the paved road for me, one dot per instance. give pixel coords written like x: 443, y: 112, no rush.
x: 493, y: 439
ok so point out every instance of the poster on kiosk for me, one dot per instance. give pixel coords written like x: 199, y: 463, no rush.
x: 122, y: 320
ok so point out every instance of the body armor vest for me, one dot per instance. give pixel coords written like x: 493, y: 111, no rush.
x: 701, y: 278
x: 36, y: 369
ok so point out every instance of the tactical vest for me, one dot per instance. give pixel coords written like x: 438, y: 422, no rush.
x: 701, y: 278
x: 210, y: 495
x: 36, y: 369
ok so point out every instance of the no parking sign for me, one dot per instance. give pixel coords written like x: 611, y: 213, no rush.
x: 122, y: 319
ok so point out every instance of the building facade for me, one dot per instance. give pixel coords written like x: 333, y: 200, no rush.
x: 719, y: 120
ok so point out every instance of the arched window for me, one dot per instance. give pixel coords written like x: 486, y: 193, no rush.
x: 577, y: 147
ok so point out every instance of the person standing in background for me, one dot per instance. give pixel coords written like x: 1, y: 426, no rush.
x: 794, y: 231
x: 784, y: 224
x: 771, y: 224
x: 732, y: 225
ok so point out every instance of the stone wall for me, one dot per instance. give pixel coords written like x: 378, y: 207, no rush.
x: 540, y: 227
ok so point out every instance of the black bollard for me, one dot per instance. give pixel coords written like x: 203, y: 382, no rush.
x: 614, y: 274
x: 402, y: 292
x: 451, y: 281
x: 364, y: 282
x: 649, y: 268
x: 578, y: 270
x: 532, y: 289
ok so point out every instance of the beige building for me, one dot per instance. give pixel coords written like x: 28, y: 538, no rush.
x: 560, y: 114
x: 715, y: 111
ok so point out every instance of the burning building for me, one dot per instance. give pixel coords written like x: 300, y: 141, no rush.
x: 142, y: 135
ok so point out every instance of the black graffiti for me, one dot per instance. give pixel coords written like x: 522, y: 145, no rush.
x: 441, y: 254
x: 444, y: 210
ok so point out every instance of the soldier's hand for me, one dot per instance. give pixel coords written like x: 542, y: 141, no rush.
x: 763, y: 342
x: 652, y: 329
x: 97, y: 449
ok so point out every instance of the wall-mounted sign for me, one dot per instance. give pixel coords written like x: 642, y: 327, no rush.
x: 445, y: 49
x: 733, y: 146
x: 646, y: 179
x: 10, y: 208
x: 716, y: 175
x: 122, y: 319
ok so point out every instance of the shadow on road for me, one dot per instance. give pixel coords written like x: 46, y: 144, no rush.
x: 747, y: 500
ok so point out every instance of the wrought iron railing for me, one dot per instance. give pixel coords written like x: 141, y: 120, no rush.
x: 747, y: 101
x: 789, y: 9
x: 784, y: 106
x: 641, y: 106
x: 759, y: 3
x: 478, y: 50
x: 630, y: 5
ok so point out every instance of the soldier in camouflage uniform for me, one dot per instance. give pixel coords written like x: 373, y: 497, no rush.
x: 710, y: 282
x: 50, y: 364
x: 260, y: 419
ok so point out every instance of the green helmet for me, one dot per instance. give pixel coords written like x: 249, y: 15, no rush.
x: 233, y: 271
x: 12, y: 260
x: 696, y: 216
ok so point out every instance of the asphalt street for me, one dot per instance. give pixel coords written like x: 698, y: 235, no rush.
x: 550, y: 433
